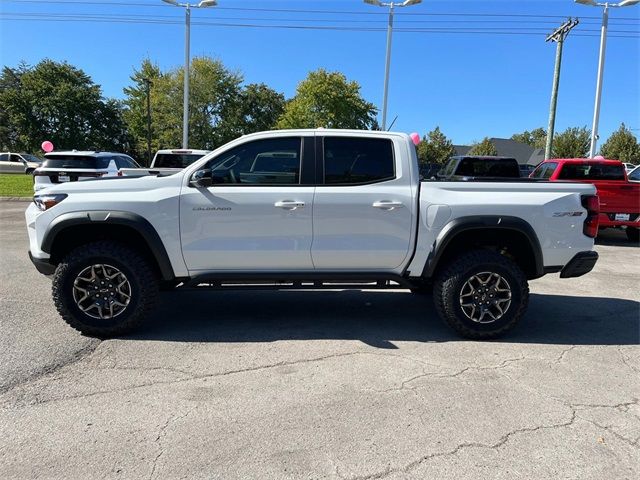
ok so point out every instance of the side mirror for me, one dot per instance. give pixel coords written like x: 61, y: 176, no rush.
x: 201, y: 179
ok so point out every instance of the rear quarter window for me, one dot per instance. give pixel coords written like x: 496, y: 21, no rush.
x: 76, y: 161
x: 482, y: 167
x: 175, y: 160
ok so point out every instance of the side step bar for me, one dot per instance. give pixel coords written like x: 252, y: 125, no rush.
x: 297, y: 280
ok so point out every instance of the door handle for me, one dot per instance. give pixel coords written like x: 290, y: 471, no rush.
x: 387, y: 205
x: 289, y: 204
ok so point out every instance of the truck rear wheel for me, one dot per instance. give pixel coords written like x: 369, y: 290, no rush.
x: 481, y: 294
x: 633, y: 234
x: 104, y: 289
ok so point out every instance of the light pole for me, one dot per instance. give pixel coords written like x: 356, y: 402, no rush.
x: 187, y: 61
x: 603, y: 46
x: 391, y: 6
x: 148, y: 83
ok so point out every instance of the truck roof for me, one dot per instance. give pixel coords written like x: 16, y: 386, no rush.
x: 585, y: 160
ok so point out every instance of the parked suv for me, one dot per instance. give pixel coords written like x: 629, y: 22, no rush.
x: 18, y: 163
x: 62, y: 167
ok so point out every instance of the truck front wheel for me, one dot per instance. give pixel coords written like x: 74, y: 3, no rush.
x: 104, y: 289
x: 481, y: 294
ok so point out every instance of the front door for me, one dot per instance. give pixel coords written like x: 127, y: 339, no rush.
x: 256, y: 216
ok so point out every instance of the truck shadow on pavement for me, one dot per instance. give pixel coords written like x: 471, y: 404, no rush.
x: 614, y: 237
x: 377, y: 318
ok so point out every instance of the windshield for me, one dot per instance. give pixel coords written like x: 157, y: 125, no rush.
x: 635, y: 174
x: 591, y: 171
x: 31, y: 158
x: 175, y: 160
x: 76, y: 161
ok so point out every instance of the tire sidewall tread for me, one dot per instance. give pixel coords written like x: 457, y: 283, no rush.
x: 450, y: 281
x: 144, y: 284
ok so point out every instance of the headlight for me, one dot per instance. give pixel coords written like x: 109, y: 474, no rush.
x: 45, y: 202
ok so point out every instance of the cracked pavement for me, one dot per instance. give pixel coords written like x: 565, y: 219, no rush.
x: 337, y: 385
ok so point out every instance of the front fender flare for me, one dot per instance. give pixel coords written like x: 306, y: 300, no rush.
x: 132, y: 220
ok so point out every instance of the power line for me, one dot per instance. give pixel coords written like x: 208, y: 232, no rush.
x: 290, y: 10
x: 150, y: 20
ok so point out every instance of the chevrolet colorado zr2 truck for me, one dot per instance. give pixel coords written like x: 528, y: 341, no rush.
x: 308, y: 209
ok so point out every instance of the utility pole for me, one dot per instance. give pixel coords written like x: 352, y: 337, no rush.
x: 147, y: 83
x: 557, y: 36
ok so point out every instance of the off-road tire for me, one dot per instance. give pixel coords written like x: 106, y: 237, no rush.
x: 449, y: 284
x: 633, y: 234
x: 140, y: 275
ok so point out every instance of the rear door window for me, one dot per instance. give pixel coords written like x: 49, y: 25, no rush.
x: 357, y: 161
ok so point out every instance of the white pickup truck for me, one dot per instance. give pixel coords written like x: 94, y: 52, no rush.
x: 308, y: 209
x: 165, y: 162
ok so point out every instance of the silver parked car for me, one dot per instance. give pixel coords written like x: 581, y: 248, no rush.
x: 18, y: 163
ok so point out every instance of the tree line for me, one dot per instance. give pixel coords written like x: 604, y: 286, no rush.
x: 574, y: 142
x: 59, y: 102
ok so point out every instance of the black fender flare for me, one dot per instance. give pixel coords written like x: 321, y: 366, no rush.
x: 128, y: 219
x: 479, y: 222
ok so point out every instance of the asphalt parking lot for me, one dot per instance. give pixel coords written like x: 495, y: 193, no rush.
x: 353, y: 385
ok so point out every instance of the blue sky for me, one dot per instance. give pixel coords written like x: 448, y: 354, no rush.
x: 470, y: 84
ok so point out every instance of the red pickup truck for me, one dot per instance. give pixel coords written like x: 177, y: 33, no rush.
x: 619, y: 198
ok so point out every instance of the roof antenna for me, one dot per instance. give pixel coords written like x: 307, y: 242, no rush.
x: 394, y: 121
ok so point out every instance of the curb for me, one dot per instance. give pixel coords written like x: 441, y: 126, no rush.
x: 16, y: 199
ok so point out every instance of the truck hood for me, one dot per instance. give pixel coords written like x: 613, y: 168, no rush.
x: 115, y: 184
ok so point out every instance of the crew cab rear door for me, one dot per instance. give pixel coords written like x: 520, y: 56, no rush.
x: 364, y: 204
x: 257, y: 214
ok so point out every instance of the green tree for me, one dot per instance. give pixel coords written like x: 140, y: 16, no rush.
x: 622, y: 145
x: 572, y: 143
x: 135, y: 114
x: 484, y: 148
x: 435, y: 147
x: 221, y: 109
x: 257, y: 108
x: 536, y: 138
x: 57, y: 102
x: 328, y: 99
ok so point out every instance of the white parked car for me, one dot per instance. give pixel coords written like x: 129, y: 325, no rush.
x: 629, y: 167
x: 18, y: 163
x: 166, y: 162
x: 71, y: 166
x: 634, y: 175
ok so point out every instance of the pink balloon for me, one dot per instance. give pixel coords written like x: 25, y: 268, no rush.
x: 415, y: 137
x: 47, y: 146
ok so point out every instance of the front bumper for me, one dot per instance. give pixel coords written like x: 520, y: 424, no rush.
x: 42, y: 265
x: 581, y: 263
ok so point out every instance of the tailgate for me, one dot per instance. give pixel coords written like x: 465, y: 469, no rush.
x: 618, y: 197
x: 68, y: 174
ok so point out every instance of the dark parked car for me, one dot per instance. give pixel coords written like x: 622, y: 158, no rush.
x: 471, y: 167
x: 526, y: 169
